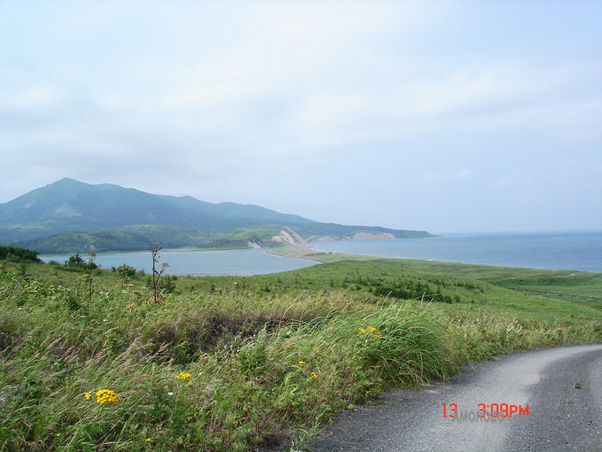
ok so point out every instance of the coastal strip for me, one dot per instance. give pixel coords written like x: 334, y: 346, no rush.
x: 300, y: 251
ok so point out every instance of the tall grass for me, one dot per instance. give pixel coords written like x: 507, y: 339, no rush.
x: 221, y: 368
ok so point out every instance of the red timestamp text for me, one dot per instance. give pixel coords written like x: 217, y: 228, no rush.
x: 490, y: 410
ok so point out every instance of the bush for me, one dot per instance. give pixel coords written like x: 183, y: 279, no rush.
x: 16, y: 254
x: 76, y: 262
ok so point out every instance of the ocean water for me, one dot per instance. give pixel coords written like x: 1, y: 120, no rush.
x: 201, y: 263
x: 554, y: 251
x: 559, y: 251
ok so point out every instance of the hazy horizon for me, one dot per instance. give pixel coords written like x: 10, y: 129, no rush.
x: 444, y: 233
x: 471, y: 116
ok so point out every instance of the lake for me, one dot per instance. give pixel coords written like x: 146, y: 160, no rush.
x: 554, y: 251
x: 201, y: 263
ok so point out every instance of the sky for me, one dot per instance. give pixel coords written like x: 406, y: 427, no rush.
x: 445, y: 116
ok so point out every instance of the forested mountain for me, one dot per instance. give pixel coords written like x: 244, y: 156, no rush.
x: 69, y: 215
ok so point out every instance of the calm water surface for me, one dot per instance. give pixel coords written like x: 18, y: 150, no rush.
x: 561, y: 251
x: 201, y: 263
x: 554, y: 251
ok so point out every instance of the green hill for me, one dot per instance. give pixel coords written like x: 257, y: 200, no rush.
x: 70, y: 216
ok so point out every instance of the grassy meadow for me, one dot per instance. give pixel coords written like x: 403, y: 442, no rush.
x: 89, y: 362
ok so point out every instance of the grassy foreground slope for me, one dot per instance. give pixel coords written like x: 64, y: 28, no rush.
x: 89, y: 363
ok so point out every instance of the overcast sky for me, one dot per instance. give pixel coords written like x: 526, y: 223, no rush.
x: 446, y: 116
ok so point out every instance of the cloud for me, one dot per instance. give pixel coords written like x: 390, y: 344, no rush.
x: 231, y: 100
x: 504, y: 183
x: 447, y: 177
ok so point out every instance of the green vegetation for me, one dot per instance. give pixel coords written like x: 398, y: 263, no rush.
x: 126, y: 238
x: 143, y: 237
x: 16, y: 254
x: 576, y: 287
x: 239, y: 363
x: 70, y: 216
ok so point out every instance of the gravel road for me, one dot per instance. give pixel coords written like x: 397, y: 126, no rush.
x: 562, y: 387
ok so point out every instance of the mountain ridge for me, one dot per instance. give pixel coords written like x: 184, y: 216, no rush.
x: 68, y: 215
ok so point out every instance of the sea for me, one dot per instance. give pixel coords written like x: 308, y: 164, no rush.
x: 555, y: 251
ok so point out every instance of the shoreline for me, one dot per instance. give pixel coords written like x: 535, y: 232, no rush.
x: 306, y: 252
x: 297, y: 252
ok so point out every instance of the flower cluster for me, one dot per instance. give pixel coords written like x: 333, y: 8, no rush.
x: 312, y: 374
x: 103, y: 396
x: 373, y: 330
x: 184, y: 376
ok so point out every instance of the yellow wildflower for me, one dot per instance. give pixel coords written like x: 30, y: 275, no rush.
x: 88, y: 395
x: 313, y: 374
x: 363, y: 331
x: 375, y: 332
x: 105, y: 396
x: 184, y: 376
x: 301, y: 363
